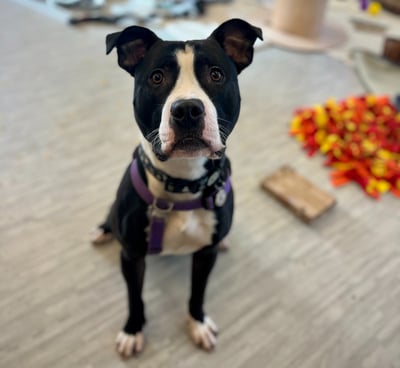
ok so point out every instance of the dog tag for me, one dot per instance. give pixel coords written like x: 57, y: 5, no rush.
x: 213, y: 178
x: 220, y: 198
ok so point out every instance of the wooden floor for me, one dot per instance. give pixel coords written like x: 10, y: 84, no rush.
x: 286, y: 295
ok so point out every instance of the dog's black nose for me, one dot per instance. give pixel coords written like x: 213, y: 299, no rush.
x: 186, y: 113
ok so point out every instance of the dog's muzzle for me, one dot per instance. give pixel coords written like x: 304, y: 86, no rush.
x: 187, y: 122
x: 192, y: 131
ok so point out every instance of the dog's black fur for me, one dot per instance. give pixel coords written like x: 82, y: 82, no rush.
x: 154, y: 65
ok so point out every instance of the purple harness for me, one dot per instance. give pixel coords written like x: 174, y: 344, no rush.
x: 161, y: 207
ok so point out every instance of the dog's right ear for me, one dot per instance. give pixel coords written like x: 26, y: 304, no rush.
x: 132, y: 44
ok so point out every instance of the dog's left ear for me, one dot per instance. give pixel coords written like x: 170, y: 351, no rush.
x: 237, y: 38
x: 132, y: 44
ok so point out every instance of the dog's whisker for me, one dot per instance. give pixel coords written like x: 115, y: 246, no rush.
x: 152, y: 135
x: 156, y: 141
x: 223, y: 136
x: 224, y: 120
x: 223, y: 130
x: 223, y: 133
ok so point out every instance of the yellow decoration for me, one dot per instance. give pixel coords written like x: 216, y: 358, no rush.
x: 347, y: 115
x: 374, y: 8
x: 371, y: 186
x: 371, y: 100
x: 378, y: 169
x: 382, y: 186
x: 343, y: 165
x: 384, y: 154
x: 332, y: 104
x: 321, y: 118
x: 351, y: 103
x: 320, y: 136
x: 368, y: 146
x: 387, y: 110
x: 296, y: 122
x: 350, y: 126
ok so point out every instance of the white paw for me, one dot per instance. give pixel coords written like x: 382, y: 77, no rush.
x: 203, y: 334
x: 128, y: 345
x: 98, y: 236
x: 224, y: 245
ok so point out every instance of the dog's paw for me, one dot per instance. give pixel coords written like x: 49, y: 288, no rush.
x: 98, y: 236
x: 128, y: 345
x: 224, y: 245
x: 203, y: 334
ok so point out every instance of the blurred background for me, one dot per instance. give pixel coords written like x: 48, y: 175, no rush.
x: 287, y: 293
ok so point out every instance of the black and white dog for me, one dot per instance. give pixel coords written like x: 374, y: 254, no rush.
x: 176, y: 195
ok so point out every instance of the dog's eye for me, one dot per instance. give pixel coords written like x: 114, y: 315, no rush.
x: 216, y: 74
x: 157, y: 77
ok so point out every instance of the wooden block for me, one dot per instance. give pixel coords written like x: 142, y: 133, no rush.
x: 391, y: 50
x: 301, y: 196
x: 367, y: 25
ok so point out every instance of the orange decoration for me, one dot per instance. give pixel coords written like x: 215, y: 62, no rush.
x: 360, y: 137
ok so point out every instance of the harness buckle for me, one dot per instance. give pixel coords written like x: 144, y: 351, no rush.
x: 161, y: 207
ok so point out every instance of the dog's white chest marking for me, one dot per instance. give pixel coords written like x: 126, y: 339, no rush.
x: 188, y: 231
x: 185, y: 231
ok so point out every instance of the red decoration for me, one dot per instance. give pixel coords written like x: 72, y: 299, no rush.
x: 360, y: 137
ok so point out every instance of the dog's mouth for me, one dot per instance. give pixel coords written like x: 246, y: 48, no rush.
x: 190, y: 145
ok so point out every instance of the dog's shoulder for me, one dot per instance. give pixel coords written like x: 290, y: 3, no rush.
x: 129, y: 214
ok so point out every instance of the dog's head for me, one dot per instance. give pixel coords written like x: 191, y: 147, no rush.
x: 186, y: 97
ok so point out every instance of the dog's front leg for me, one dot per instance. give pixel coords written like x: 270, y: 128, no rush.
x: 130, y: 340
x: 202, y: 329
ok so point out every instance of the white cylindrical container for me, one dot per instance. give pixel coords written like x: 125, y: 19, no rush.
x: 302, y: 18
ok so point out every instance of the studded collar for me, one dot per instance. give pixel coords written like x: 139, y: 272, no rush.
x: 178, y: 185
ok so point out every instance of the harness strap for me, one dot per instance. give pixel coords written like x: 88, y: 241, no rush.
x: 161, y: 207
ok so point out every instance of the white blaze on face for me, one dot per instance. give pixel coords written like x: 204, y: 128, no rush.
x: 187, y: 87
